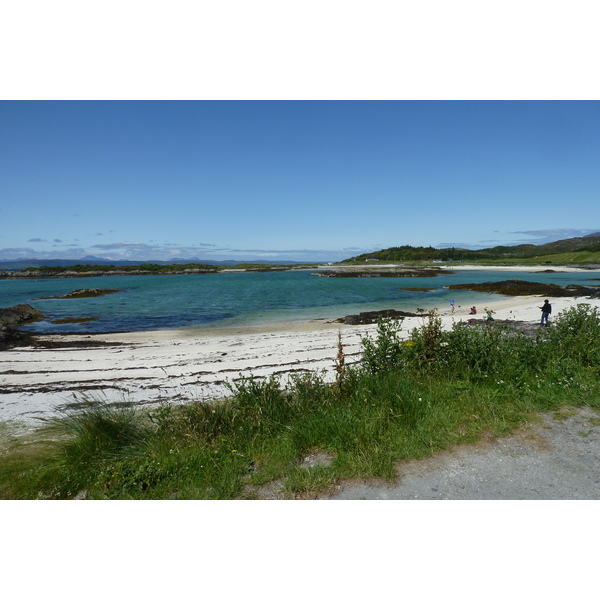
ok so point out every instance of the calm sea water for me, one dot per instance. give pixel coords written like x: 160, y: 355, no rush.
x: 237, y: 299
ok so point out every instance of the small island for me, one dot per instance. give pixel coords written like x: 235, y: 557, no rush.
x: 384, y: 272
x: 60, y: 272
x: 518, y: 287
x: 87, y: 293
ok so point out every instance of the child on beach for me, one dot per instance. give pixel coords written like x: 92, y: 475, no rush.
x: 489, y: 314
x: 473, y: 311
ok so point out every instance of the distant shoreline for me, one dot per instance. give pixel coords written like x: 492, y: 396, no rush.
x: 278, y: 268
x: 137, y: 272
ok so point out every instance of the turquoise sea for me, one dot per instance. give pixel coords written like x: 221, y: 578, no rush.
x: 244, y: 298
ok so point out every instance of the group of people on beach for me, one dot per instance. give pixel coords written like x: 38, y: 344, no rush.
x: 546, y: 312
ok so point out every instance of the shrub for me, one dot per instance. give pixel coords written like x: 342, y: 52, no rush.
x: 576, y: 334
x: 385, y: 351
x: 427, y: 347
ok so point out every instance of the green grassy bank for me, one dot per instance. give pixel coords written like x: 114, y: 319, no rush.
x: 405, y: 400
x: 564, y: 259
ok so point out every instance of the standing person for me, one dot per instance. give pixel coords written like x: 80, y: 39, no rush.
x: 452, y: 306
x: 546, y: 311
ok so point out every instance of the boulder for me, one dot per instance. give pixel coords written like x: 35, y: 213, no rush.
x: 17, y: 315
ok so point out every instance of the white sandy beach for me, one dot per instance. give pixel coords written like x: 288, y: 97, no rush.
x: 465, y: 267
x: 529, y: 269
x: 196, y: 364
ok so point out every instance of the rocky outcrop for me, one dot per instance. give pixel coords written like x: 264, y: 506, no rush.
x: 518, y: 287
x: 13, y: 316
x: 526, y: 328
x: 17, y: 315
x: 366, y: 318
x: 390, y: 272
x: 90, y: 293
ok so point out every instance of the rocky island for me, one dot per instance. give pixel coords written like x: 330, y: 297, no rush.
x: 384, y: 272
x: 518, y: 287
x: 88, y: 293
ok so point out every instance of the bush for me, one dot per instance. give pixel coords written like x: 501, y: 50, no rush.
x: 428, y: 341
x: 576, y: 334
x: 386, y: 350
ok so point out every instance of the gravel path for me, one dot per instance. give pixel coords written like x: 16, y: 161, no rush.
x: 555, y: 458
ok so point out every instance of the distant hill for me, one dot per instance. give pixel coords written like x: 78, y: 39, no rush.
x: 586, y: 244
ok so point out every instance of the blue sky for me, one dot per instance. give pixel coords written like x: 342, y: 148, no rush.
x: 292, y: 180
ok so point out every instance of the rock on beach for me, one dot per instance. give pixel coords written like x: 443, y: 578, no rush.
x: 19, y: 314
x: 10, y: 318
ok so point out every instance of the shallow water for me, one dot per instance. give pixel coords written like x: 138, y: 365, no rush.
x: 237, y: 299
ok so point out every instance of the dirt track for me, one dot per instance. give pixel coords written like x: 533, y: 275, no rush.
x: 555, y: 458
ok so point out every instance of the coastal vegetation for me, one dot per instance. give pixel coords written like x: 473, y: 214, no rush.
x: 572, y: 251
x: 406, y: 399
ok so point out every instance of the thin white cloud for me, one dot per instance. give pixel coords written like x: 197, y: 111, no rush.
x: 465, y: 245
x: 27, y: 253
x: 535, y: 237
x: 545, y: 236
x: 137, y: 251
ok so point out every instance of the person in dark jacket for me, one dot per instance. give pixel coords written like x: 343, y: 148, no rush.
x: 546, y: 310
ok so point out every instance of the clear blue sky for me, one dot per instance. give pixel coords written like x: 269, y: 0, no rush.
x: 292, y: 180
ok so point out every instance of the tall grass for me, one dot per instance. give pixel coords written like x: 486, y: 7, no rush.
x: 405, y: 399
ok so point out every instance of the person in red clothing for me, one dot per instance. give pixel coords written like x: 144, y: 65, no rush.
x: 473, y: 311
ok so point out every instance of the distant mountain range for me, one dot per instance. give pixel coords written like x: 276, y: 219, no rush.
x: 588, y: 243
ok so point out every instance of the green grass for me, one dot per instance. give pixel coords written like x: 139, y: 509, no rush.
x: 567, y: 259
x: 405, y: 400
x: 570, y: 251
